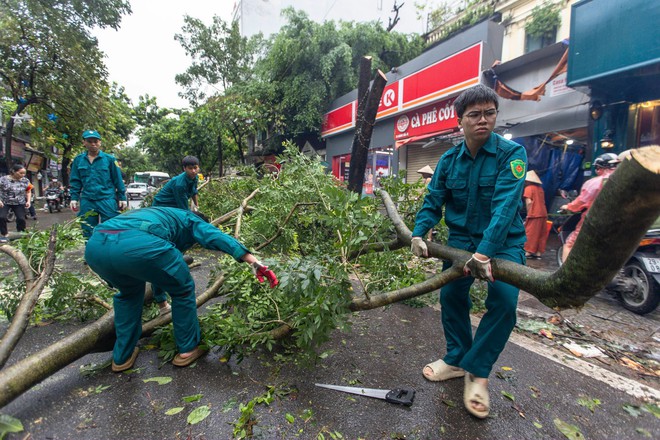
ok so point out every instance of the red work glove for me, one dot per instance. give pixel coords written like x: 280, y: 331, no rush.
x: 262, y: 272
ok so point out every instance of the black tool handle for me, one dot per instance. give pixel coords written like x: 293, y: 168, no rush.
x: 402, y: 397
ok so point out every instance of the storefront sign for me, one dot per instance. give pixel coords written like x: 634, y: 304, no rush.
x: 429, y: 119
x: 558, y: 86
x: 447, y: 76
x: 339, y: 119
x: 443, y: 78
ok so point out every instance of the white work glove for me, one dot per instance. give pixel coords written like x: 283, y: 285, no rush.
x: 418, y: 247
x: 1, y: 204
x: 194, y: 208
x: 74, y: 205
x: 122, y: 205
x: 479, y: 269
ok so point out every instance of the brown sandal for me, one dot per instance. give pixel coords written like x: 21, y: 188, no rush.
x: 180, y: 361
x: 126, y: 365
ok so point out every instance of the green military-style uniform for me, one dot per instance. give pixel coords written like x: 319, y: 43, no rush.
x: 146, y: 245
x: 177, y: 192
x: 482, y: 199
x: 97, y: 186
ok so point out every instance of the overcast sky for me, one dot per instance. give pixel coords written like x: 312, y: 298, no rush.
x: 143, y: 57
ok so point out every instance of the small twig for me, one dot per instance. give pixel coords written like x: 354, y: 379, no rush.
x: 281, y: 228
x: 240, y: 212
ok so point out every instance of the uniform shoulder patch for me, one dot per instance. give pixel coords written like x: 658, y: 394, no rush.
x: 518, y: 168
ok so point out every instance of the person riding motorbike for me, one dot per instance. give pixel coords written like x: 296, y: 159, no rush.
x: 604, y: 165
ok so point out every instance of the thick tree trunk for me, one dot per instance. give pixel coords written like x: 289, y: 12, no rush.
x: 99, y: 336
x: 364, y: 126
x: 626, y: 207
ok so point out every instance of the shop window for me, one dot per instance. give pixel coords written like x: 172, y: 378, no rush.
x: 649, y: 123
x: 537, y: 42
x: 379, y: 166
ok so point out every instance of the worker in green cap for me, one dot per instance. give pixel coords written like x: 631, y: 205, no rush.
x: 177, y: 192
x: 95, y: 184
x: 147, y: 245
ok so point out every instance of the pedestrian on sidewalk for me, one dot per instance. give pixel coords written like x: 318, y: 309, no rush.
x: 14, y: 194
x: 96, y: 185
x: 146, y: 246
x: 536, y: 223
x: 479, y: 183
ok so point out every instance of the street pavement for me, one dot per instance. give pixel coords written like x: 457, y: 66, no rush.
x: 537, y: 390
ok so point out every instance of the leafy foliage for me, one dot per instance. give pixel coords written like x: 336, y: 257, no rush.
x: 68, y: 295
x: 318, y: 255
x: 545, y: 20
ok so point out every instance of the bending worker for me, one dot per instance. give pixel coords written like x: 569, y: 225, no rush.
x: 479, y: 182
x: 96, y: 184
x: 146, y: 245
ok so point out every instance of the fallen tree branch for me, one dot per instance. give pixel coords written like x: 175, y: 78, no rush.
x: 23, y: 264
x: 22, y: 316
x: 281, y: 228
x: 223, y: 218
x: 632, y: 191
x: 98, y: 336
x: 241, y: 209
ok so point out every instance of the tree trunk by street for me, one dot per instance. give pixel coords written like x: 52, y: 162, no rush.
x: 220, y: 157
x: 364, y: 127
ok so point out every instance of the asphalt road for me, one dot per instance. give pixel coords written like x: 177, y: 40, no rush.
x: 536, y: 389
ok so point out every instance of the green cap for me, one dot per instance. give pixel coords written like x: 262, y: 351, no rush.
x: 91, y: 134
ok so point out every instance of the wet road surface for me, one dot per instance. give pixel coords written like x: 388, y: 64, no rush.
x: 533, y: 388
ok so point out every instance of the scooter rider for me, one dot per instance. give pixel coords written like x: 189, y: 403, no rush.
x: 604, y: 165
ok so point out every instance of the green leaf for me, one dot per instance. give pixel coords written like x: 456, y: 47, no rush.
x: 290, y: 418
x: 172, y: 411
x: 652, y: 408
x: 9, y: 424
x: 509, y: 396
x: 591, y: 404
x: 644, y: 432
x: 632, y: 410
x: 571, y: 432
x: 449, y: 403
x: 193, y: 398
x: 229, y: 405
x: 538, y: 425
x: 198, y: 414
x: 162, y: 380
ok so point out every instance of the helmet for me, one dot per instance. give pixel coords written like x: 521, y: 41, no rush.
x: 607, y: 160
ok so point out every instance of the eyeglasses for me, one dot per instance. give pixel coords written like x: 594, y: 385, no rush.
x: 476, y: 116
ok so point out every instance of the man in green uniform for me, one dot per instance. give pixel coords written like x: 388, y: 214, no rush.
x: 479, y: 182
x: 181, y: 188
x: 95, y: 184
x: 146, y: 245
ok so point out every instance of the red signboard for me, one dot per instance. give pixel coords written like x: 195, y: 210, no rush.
x: 339, y: 119
x: 441, y: 79
x: 449, y: 75
x: 429, y: 119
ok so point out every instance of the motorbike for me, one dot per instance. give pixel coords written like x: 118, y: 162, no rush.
x: 66, y: 197
x: 637, y: 285
x: 53, y: 199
